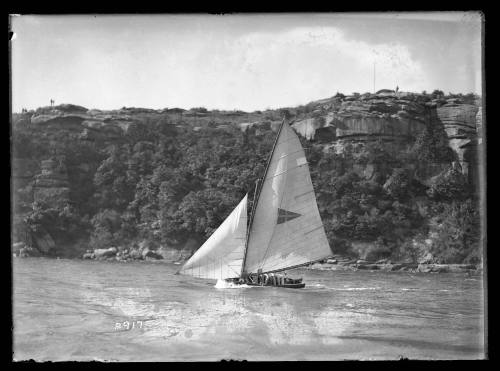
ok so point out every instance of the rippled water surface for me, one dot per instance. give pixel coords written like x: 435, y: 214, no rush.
x: 80, y: 310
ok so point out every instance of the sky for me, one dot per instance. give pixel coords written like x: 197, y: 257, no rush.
x: 247, y: 62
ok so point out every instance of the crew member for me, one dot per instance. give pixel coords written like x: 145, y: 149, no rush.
x: 250, y: 278
x: 266, y: 278
x: 272, y: 277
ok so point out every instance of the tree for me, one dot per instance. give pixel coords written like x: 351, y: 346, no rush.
x: 105, y: 225
x: 398, y: 185
x: 456, y: 228
x: 285, y: 113
x: 450, y: 185
x: 437, y: 94
x: 431, y: 146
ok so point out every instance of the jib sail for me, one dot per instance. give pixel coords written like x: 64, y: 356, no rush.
x: 221, y: 256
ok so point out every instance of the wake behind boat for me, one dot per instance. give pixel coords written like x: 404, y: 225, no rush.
x: 285, y: 230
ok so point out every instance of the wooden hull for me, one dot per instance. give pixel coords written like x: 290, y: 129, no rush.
x: 286, y: 285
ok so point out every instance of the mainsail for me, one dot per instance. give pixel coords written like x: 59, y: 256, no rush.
x: 221, y: 256
x: 286, y: 229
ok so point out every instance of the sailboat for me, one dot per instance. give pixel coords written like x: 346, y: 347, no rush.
x: 284, y: 230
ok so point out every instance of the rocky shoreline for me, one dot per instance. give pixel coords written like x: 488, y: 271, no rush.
x: 139, y: 252
x: 385, y: 265
x: 336, y: 263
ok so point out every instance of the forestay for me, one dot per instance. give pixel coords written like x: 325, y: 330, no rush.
x: 221, y: 256
x: 286, y: 230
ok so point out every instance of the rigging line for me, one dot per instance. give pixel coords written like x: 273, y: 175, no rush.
x: 299, y: 265
x: 283, y: 187
x: 256, y: 198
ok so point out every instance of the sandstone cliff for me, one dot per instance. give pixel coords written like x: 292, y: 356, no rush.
x: 394, y: 118
x: 59, y: 178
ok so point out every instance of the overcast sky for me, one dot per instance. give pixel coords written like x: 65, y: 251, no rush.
x: 248, y: 62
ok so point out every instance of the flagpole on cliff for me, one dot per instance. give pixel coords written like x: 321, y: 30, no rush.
x: 373, y: 76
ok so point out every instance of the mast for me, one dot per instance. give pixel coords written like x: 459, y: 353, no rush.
x: 248, y: 229
x: 257, y: 191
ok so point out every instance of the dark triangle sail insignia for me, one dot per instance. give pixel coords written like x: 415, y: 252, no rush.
x: 285, y: 216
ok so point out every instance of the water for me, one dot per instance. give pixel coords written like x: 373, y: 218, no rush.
x: 78, y: 310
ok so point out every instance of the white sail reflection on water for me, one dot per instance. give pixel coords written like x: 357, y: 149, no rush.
x: 287, y: 229
x: 221, y: 256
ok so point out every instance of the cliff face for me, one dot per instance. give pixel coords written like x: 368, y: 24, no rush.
x: 45, y: 178
x: 461, y: 124
x: 396, y: 119
x: 367, y: 117
x: 83, y: 124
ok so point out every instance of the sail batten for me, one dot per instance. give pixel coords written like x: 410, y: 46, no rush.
x: 288, y: 230
x: 283, y: 172
x: 221, y: 256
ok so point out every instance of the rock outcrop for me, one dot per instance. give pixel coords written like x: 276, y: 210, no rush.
x: 22, y: 250
x: 460, y: 124
x: 345, y: 263
x: 168, y: 255
x: 51, y: 185
x: 386, y: 116
x: 394, y: 118
x: 93, y: 125
x: 105, y: 253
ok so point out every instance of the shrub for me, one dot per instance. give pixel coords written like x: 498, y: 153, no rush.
x: 398, y: 185
x: 379, y: 250
x: 105, y: 225
x: 450, y: 185
x: 436, y: 94
x: 456, y: 230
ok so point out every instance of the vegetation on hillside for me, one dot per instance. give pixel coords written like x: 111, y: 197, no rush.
x: 165, y: 184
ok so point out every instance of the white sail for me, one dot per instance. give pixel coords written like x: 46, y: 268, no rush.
x: 286, y: 228
x: 221, y: 256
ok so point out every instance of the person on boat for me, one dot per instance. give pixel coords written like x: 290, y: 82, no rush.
x: 265, y: 279
x: 279, y: 279
x: 272, y: 279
